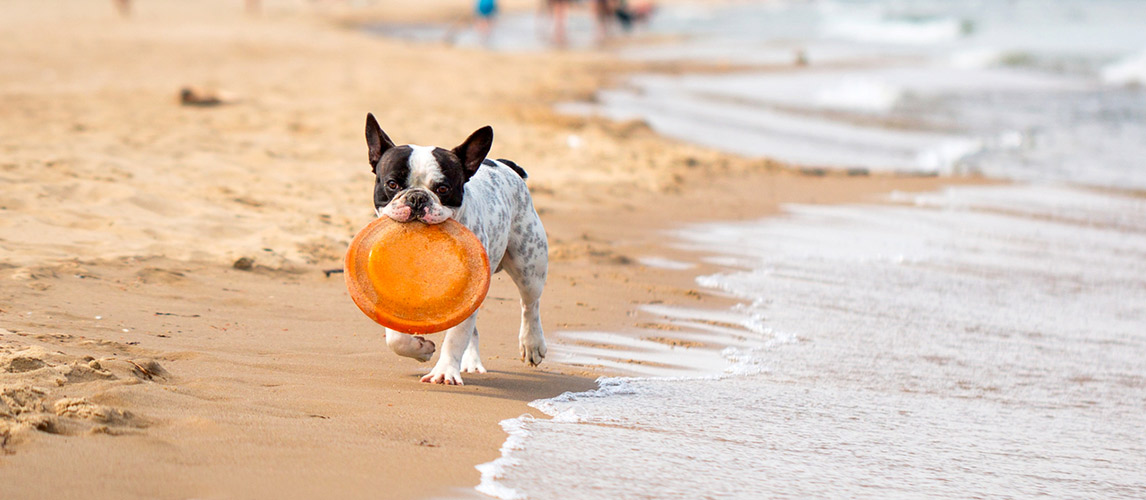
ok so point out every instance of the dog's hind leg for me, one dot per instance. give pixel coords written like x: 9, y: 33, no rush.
x: 471, y: 359
x: 527, y: 263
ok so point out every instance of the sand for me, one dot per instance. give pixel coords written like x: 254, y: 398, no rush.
x: 137, y: 362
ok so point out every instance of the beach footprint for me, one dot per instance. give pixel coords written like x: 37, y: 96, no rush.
x: 46, y: 391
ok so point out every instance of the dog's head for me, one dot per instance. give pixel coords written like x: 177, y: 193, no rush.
x: 422, y: 182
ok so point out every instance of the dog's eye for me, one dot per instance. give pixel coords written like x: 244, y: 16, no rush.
x: 442, y: 189
x: 392, y: 185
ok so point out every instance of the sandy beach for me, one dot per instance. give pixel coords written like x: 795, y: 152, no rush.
x: 137, y: 362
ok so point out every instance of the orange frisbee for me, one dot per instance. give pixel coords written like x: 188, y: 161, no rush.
x: 414, y: 277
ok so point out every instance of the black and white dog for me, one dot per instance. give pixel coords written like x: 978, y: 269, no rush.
x: 489, y: 197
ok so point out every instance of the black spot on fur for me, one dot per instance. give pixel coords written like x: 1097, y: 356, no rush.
x: 520, y: 171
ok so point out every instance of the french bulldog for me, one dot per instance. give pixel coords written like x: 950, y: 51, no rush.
x: 490, y: 198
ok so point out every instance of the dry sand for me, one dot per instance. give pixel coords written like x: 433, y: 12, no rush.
x: 135, y: 361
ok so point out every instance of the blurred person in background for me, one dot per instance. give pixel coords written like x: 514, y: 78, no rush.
x: 613, y: 12
x: 486, y: 11
x: 559, y: 9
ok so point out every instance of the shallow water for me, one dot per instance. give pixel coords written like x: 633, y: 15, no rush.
x: 1026, y: 90
x: 973, y: 342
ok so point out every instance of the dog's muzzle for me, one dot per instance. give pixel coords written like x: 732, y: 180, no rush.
x: 417, y: 204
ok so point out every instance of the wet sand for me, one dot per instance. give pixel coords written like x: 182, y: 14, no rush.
x: 135, y: 361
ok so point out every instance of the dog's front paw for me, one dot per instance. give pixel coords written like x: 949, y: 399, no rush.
x: 447, y: 375
x: 533, y: 349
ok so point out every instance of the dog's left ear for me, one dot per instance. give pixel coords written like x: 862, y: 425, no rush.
x: 472, y: 152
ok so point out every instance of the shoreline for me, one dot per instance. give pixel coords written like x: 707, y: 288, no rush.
x: 227, y: 182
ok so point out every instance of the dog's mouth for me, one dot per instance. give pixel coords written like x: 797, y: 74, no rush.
x: 429, y: 214
x: 434, y: 215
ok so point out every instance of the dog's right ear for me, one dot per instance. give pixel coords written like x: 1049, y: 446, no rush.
x: 376, y: 140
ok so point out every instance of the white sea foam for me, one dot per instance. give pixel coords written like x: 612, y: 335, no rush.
x: 877, y: 29
x: 492, y: 472
x: 848, y: 118
x: 794, y: 137
x: 975, y: 58
x: 857, y: 94
x: 1128, y: 71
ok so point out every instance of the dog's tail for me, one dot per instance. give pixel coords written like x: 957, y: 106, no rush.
x: 520, y: 171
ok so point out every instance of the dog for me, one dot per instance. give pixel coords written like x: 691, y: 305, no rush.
x: 488, y: 197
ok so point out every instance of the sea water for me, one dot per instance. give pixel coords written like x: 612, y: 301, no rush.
x: 977, y: 342
x: 1022, y: 89
x: 973, y: 342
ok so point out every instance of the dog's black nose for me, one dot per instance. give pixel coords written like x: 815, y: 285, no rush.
x: 417, y: 200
